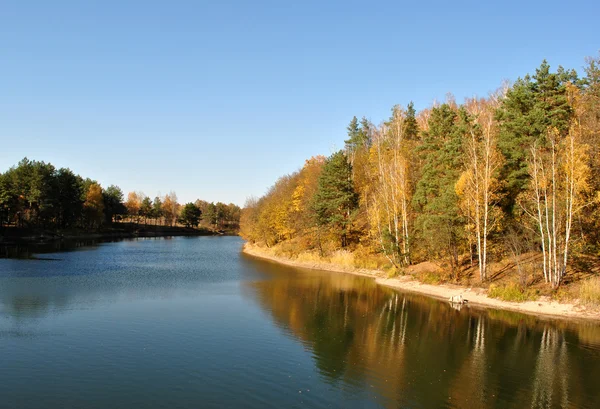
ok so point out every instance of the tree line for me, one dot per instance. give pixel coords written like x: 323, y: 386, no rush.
x: 35, y: 194
x: 487, y: 179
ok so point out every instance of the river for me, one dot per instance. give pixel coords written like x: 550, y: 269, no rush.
x: 191, y: 322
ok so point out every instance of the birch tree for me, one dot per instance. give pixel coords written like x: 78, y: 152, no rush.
x: 559, y: 190
x: 389, y: 202
x: 478, y: 186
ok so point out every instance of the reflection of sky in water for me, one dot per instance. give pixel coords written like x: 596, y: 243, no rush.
x: 188, y: 322
x: 146, y: 268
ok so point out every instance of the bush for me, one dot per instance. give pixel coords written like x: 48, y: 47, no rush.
x: 589, y: 292
x: 511, y: 292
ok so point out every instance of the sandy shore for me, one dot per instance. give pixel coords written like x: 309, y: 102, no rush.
x: 476, y: 296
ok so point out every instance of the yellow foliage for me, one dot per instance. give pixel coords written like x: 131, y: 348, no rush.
x: 133, y: 203
x: 94, y: 204
x: 297, y: 197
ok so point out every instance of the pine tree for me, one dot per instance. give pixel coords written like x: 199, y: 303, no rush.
x: 353, y: 134
x: 439, y: 221
x: 113, y: 203
x: 146, y: 209
x: 359, y: 135
x: 532, y: 106
x: 411, y: 128
x: 335, y: 199
x: 157, y: 211
x: 190, y: 215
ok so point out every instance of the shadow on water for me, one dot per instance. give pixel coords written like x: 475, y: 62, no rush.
x: 418, y: 352
x: 33, y: 250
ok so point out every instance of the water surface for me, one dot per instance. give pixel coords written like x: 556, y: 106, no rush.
x: 190, y: 322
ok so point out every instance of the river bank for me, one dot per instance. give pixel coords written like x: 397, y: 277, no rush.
x: 544, y: 306
x: 117, y: 231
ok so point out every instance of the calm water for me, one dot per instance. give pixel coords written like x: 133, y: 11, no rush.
x: 192, y: 323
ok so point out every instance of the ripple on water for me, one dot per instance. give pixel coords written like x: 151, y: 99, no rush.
x: 187, y: 322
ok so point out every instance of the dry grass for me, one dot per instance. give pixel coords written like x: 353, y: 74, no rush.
x: 429, y: 277
x: 365, y: 258
x: 511, y: 292
x: 285, y: 249
x: 342, y: 258
x: 589, y: 292
x: 309, y: 257
x: 392, y: 272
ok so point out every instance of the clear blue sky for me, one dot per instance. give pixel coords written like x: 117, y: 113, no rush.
x: 216, y: 100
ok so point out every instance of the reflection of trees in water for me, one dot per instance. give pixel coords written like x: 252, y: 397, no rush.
x: 392, y: 321
x: 550, y: 385
x: 333, y: 314
x: 418, y: 352
x: 32, y: 250
x: 470, y: 381
x: 31, y: 305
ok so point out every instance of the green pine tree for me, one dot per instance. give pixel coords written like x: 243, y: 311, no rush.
x: 359, y: 135
x: 411, y: 128
x: 335, y: 201
x: 532, y: 106
x: 190, y: 215
x: 439, y: 221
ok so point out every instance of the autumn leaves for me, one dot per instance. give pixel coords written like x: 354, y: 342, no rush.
x: 453, y: 181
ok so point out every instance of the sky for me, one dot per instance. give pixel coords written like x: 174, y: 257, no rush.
x: 217, y: 99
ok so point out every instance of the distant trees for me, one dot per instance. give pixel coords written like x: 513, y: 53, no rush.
x: 36, y: 194
x: 169, y: 208
x: 219, y: 215
x: 93, y: 206
x: 454, y: 182
x: 113, y: 203
x: 68, y: 198
x: 190, y: 215
x: 146, y: 209
x: 157, y: 210
x: 133, y: 205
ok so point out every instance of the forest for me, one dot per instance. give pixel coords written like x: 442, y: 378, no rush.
x: 36, y: 195
x: 509, y: 182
